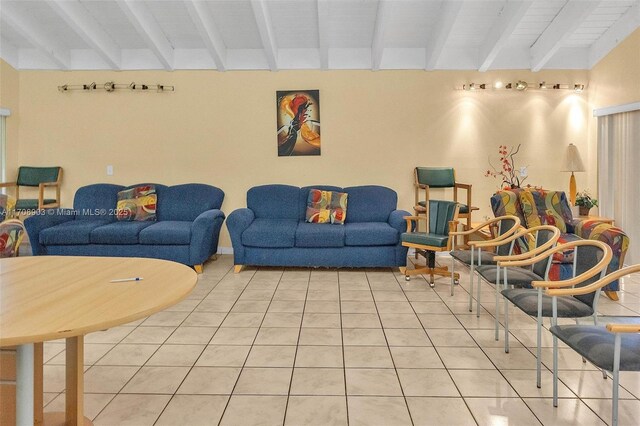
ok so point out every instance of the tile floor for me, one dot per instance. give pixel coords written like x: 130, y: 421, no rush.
x: 325, y: 347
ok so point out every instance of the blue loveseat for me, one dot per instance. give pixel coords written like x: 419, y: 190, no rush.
x: 186, y: 231
x: 272, y: 230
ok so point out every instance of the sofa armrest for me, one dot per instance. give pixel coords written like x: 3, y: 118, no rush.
x: 238, y: 221
x: 205, y: 232
x: 43, y: 220
x: 397, y: 220
x: 612, y: 236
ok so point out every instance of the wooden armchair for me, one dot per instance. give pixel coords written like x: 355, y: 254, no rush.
x: 426, y: 178
x: 36, y: 177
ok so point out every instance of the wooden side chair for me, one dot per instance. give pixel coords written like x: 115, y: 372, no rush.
x: 426, y: 178
x: 591, y: 259
x: 36, y: 177
x: 442, y: 219
x: 506, y: 226
x: 613, y: 348
x: 538, y: 239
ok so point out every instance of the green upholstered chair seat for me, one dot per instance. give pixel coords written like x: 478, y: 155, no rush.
x: 426, y: 239
x: 463, y: 207
x: 596, y: 345
x: 29, y: 204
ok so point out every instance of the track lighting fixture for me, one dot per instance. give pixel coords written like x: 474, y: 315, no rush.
x: 110, y: 86
x: 522, y: 85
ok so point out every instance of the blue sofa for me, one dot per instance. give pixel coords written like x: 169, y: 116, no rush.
x: 272, y: 230
x: 186, y: 231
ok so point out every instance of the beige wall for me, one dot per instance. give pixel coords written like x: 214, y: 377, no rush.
x: 219, y: 128
x: 10, y: 99
x: 612, y: 81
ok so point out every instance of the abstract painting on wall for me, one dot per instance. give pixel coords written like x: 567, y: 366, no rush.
x: 298, y: 122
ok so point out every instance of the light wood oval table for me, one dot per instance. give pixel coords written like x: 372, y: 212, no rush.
x: 52, y: 297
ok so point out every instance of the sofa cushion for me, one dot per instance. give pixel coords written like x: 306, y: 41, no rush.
x: 545, y: 208
x: 137, y: 203
x: 314, y: 235
x: 166, y: 232
x: 96, y: 202
x: 370, y: 234
x: 370, y: 203
x: 186, y: 202
x: 274, y: 201
x: 118, y: 232
x: 274, y: 233
x: 72, y: 232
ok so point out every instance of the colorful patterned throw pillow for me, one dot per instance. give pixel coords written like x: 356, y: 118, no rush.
x: 543, y: 208
x: 326, y: 207
x: 137, y: 203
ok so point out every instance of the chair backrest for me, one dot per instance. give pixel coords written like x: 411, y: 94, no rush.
x: 11, y: 234
x: 541, y: 237
x: 585, y: 258
x: 34, y: 176
x: 504, y: 226
x: 436, y: 177
x: 440, y: 214
x: 7, y: 204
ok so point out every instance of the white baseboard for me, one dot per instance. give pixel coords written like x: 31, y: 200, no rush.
x: 225, y: 250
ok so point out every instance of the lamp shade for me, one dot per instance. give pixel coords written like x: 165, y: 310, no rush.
x: 572, y: 160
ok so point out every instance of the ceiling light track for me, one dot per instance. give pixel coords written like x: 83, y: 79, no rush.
x: 110, y: 86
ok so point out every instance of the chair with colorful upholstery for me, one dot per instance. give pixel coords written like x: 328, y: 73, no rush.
x: 542, y: 207
x: 36, y: 177
x: 11, y: 234
x: 441, y: 220
x: 7, y: 207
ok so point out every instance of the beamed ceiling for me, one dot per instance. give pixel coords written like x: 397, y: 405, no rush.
x: 312, y: 34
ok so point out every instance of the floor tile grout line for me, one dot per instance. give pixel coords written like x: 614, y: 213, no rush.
x: 375, y: 303
x: 295, y: 355
x: 275, y: 290
x: 205, y: 346
x: 344, y: 362
x: 436, y: 350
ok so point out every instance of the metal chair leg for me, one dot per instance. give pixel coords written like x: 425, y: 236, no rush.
x: 616, y: 379
x: 497, y: 310
x: 471, y: 273
x: 539, y: 342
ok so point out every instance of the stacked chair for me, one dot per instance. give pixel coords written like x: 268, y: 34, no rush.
x: 613, y: 348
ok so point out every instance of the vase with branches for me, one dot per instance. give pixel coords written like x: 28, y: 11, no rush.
x: 507, y: 170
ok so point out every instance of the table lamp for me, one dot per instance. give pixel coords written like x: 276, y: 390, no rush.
x: 572, y: 163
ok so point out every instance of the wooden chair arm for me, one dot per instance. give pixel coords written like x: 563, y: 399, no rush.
x: 413, y: 218
x: 624, y: 328
x: 487, y: 223
x: 535, y: 251
x: 539, y: 257
x: 8, y: 184
x: 598, y: 268
x: 421, y: 185
x: 593, y: 286
x: 45, y: 184
x: 466, y: 186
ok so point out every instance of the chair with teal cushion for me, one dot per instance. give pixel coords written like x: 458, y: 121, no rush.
x: 36, y: 177
x: 427, y: 178
x: 441, y: 220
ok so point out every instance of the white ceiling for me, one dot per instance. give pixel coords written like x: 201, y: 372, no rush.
x: 312, y: 34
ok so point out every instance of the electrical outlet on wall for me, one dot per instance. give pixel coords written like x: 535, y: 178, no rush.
x: 523, y: 171
x: 109, y: 170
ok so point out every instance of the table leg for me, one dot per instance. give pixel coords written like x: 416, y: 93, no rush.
x: 38, y: 383
x: 24, y: 385
x: 74, y: 401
